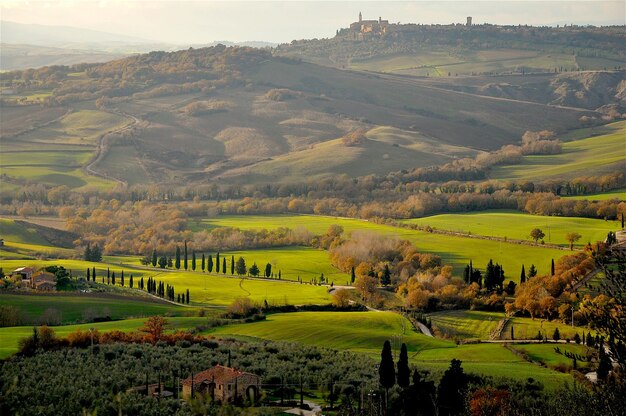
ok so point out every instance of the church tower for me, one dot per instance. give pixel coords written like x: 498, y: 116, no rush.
x: 360, y: 17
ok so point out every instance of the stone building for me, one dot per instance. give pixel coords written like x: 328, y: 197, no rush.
x: 223, y: 384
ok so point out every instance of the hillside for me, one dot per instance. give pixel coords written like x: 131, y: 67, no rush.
x: 444, y: 50
x: 241, y: 114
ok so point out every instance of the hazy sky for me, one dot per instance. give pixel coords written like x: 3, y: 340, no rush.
x: 281, y: 21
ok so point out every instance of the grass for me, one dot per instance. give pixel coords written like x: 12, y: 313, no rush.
x: 465, y: 324
x: 17, y: 233
x: 527, y: 328
x: 205, y: 289
x: 516, y: 225
x: 363, y: 332
x: 54, y: 154
x: 9, y: 337
x: 456, y: 251
x: 489, y: 360
x: 440, y: 63
x: 616, y: 194
x: 597, y: 155
x: 72, y: 307
x: 293, y: 262
x: 545, y: 353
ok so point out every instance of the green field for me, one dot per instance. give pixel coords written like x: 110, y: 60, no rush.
x: 456, y: 251
x: 365, y: 332
x: 515, y: 225
x: 17, y: 233
x: 546, y: 353
x: 596, y: 155
x: 72, y: 308
x: 54, y: 154
x: 465, y: 324
x: 619, y: 194
x: 9, y: 337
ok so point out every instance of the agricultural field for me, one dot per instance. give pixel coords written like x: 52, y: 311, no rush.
x: 546, y: 354
x: 584, y: 157
x: 515, y: 225
x: 441, y: 63
x: 55, y: 152
x: 456, y: 251
x: 365, y: 332
x: 619, y: 194
x: 464, y: 324
x: 75, y: 307
x: 9, y: 337
x: 205, y: 289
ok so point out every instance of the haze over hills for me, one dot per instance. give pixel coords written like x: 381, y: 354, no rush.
x: 33, y: 46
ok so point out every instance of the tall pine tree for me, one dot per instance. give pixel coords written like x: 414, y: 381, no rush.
x: 186, y: 261
x: 177, y: 261
x: 522, y: 276
x: 404, y: 372
x: 386, y: 370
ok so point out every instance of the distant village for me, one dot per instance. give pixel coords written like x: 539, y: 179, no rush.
x: 368, y: 29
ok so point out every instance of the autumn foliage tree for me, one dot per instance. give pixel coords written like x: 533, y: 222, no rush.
x: 154, y: 328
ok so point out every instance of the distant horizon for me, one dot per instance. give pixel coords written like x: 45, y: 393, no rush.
x: 201, y: 22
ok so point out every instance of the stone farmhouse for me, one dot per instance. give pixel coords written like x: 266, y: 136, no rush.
x: 223, y: 384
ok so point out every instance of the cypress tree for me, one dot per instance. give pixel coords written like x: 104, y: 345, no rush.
x: 352, y: 275
x: 268, y: 270
x: 622, y: 220
x: 280, y: 276
x: 186, y: 264
x: 232, y: 264
x: 217, y: 262
x: 193, y: 260
x: 203, y: 264
x: 522, y: 277
x: 552, y: 268
x: 154, y: 258
x: 557, y: 335
x: 87, y: 254
x: 122, y: 278
x: 187, y: 297
x: 452, y: 389
x: 604, y: 365
x: 224, y: 265
x: 404, y: 373
x: 386, y: 278
x: 209, y: 265
x: 113, y: 278
x: 386, y: 370
x: 93, y: 274
x: 88, y: 273
x: 141, y: 283
x: 108, y: 276
x: 130, y: 282
x: 512, y: 333
x: 177, y: 261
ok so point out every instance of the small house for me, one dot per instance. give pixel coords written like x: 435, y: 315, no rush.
x: 24, y: 273
x: 223, y: 384
x: 43, y: 281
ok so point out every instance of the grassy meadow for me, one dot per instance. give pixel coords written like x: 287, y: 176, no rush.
x: 464, y: 324
x: 54, y: 154
x: 545, y: 353
x: 365, y: 332
x: 456, y: 251
x: 73, y: 307
x: 9, y: 337
x: 594, y: 155
x: 511, y: 224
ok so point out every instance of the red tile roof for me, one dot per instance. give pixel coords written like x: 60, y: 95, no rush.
x: 219, y: 374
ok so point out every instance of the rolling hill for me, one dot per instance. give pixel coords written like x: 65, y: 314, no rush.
x: 240, y: 114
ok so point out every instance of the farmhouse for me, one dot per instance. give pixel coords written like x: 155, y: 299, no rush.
x: 43, y: 281
x: 25, y: 273
x: 223, y: 384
